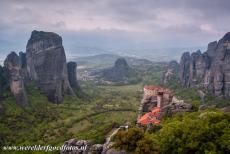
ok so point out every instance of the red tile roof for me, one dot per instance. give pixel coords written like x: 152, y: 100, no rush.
x: 150, y: 117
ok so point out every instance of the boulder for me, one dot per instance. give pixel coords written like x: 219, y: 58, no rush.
x: 78, y: 147
x: 13, y: 69
x: 96, y: 149
x: 88, y: 148
x: 46, y: 64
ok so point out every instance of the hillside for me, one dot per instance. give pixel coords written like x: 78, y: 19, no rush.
x: 108, y: 60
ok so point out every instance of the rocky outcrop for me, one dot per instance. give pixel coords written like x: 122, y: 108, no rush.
x: 72, y: 75
x: 2, y: 85
x: 23, y: 64
x: 210, y: 69
x: 85, y: 147
x: 81, y: 147
x: 184, y: 73
x: 22, y: 58
x: 13, y: 69
x: 171, y: 72
x: 120, y: 71
x: 46, y: 64
x: 2, y: 80
x: 199, y: 63
x: 96, y: 149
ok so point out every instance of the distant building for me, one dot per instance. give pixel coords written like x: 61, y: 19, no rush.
x: 162, y: 96
x: 154, y: 99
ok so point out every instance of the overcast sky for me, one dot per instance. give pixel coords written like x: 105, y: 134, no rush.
x: 115, y: 24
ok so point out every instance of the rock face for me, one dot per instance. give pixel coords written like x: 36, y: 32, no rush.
x: 46, y: 64
x: 23, y: 64
x: 72, y: 75
x: 13, y: 68
x: 210, y: 69
x: 171, y: 73
x: 185, y: 69
x: 22, y: 58
x: 2, y: 80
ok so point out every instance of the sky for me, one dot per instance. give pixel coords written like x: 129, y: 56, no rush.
x: 115, y: 25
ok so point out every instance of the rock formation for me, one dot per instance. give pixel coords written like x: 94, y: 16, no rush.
x: 72, y: 75
x: 84, y: 147
x: 120, y: 70
x: 185, y: 69
x: 210, y: 69
x: 13, y: 68
x: 46, y: 64
x: 171, y: 73
x: 22, y: 58
x: 2, y: 78
x: 90, y: 148
x: 2, y: 85
x: 23, y: 64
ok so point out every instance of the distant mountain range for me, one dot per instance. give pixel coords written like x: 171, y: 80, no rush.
x: 107, y: 60
x: 156, y: 55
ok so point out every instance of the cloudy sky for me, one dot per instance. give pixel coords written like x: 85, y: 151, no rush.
x: 115, y: 24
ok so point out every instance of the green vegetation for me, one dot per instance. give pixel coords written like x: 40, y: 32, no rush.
x: 190, y: 95
x: 197, y: 132
x: 44, y: 123
x: 102, y: 108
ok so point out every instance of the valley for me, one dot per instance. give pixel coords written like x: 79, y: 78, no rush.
x: 93, y: 101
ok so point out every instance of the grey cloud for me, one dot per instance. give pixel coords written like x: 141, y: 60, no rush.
x: 113, y: 23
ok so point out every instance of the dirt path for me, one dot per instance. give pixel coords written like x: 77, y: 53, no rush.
x: 108, y: 139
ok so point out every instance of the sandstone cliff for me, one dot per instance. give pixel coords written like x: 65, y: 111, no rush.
x: 210, y: 69
x: 46, y: 64
x: 14, y: 74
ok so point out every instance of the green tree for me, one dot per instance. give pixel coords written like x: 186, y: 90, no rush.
x: 205, y: 133
x: 127, y: 140
x: 147, y: 145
